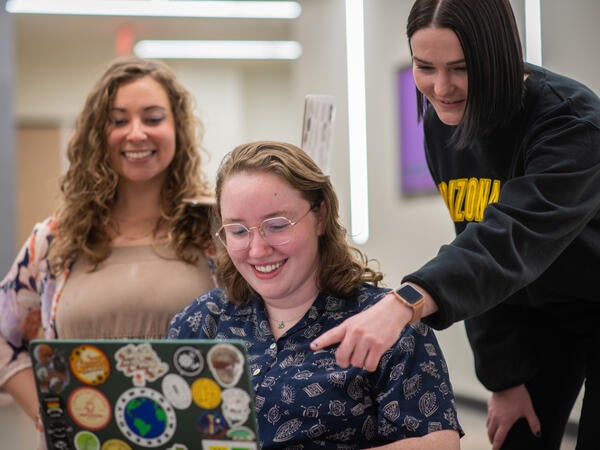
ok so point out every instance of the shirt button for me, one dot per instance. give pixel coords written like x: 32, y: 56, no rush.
x: 256, y: 372
x: 273, y: 346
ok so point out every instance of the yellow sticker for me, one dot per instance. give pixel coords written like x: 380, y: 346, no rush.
x: 206, y: 393
x: 115, y: 444
x: 89, y: 364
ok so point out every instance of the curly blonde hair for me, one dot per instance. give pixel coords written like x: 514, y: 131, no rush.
x: 89, y: 187
x: 342, y: 268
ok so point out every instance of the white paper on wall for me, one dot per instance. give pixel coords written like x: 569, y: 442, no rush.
x: 317, y: 128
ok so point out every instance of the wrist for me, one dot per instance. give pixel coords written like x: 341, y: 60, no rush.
x: 412, y: 298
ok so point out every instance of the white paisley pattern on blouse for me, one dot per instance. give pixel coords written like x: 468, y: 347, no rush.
x: 304, y: 400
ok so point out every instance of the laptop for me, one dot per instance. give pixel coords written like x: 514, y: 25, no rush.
x: 129, y: 394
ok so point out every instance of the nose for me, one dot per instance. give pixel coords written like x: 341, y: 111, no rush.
x: 442, y: 85
x: 258, y: 244
x: 136, y: 131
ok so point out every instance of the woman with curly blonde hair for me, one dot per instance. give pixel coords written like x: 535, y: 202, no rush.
x: 130, y: 243
x: 289, y: 273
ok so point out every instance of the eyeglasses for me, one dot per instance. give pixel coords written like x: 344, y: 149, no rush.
x: 274, y: 230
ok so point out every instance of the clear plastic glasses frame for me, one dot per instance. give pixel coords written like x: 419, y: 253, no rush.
x: 274, y: 230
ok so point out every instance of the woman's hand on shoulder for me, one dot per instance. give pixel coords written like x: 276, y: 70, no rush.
x: 364, y: 338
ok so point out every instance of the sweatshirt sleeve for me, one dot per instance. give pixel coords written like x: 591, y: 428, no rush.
x: 537, y: 216
x: 20, y: 304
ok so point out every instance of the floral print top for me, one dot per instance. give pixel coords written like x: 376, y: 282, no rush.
x: 29, y: 296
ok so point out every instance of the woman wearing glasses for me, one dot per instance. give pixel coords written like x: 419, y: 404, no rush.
x: 289, y: 274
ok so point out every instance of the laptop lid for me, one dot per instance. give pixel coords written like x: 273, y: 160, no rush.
x: 137, y: 394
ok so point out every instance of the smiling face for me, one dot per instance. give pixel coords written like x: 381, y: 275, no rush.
x: 141, y: 136
x: 283, y: 275
x: 440, y: 72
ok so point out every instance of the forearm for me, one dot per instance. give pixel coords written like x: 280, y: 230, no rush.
x: 438, y: 440
x: 21, y: 387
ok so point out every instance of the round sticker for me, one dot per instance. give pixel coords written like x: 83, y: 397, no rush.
x: 115, y: 444
x: 85, y: 440
x: 89, y: 364
x: 177, y: 391
x: 188, y: 360
x: 211, y: 425
x: 145, y: 417
x: 89, y: 408
x: 206, y: 393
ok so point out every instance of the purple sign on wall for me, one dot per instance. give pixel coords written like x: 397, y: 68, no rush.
x: 414, y: 174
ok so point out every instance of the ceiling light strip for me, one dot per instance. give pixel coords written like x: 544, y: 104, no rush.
x: 159, y: 8
x: 175, y: 49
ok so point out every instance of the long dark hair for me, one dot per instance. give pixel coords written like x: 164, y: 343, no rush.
x: 489, y: 37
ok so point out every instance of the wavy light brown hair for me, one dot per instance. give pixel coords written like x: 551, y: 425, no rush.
x: 342, y: 268
x: 89, y: 187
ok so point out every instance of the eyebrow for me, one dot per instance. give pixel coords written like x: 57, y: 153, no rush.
x: 280, y: 213
x: 450, y: 63
x: 146, y: 109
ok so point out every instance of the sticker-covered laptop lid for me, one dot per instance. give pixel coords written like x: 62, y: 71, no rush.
x: 138, y: 394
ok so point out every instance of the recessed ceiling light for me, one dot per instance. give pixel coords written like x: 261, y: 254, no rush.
x: 175, y: 49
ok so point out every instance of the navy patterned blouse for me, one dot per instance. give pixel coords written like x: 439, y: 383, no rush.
x: 304, y: 400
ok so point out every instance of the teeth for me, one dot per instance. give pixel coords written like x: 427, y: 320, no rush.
x: 269, y: 268
x: 137, y: 155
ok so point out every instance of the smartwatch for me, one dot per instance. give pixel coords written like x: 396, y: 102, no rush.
x: 412, y: 298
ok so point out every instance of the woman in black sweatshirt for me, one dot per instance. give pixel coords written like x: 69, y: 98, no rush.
x: 515, y: 152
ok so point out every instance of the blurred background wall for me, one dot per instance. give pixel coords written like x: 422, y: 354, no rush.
x: 48, y: 64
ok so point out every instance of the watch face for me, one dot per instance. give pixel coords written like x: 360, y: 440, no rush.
x: 410, y: 294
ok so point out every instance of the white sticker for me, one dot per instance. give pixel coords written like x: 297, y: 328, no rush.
x: 177, y: 391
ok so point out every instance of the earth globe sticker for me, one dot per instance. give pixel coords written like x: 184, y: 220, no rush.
x: 145, y: 417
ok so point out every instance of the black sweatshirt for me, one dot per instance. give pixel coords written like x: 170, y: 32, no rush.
x: 525, y: 202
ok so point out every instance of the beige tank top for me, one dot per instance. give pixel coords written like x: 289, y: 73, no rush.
x: 133, y: 294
